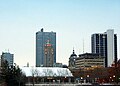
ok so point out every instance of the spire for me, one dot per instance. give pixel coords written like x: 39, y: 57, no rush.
x: 73, y: 51
x: 73, y: 54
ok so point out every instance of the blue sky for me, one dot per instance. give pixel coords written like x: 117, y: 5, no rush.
x: 72, y: 20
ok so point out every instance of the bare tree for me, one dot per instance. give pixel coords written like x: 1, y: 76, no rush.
x: 50, y: 72
x: 66, y: 73
x: 37, y: 74
x: 33, y: 75
x: 59, y: 72
x: 45, y: 72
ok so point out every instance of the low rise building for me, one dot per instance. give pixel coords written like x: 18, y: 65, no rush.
x: 88, y: 60
x: 47, y: 75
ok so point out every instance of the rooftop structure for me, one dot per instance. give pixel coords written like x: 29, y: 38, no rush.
x: 47, y: 71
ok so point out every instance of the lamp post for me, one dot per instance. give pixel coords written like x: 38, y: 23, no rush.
x: 88, y: 77
x: 81, y: 78
x: 114, y: 78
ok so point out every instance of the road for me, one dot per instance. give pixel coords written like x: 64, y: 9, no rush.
x: 79, y: 84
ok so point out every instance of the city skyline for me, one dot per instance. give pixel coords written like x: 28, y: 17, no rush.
x: 73, y: 21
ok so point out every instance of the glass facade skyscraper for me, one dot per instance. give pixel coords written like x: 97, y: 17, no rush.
x: 8, y: 57
x: 105, y: 44
x: 41, y: 40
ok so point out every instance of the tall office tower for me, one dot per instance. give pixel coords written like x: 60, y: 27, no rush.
x: 106, y: 45
x: 41, y: 39
x: 49, y: 55
x: 8, y: 57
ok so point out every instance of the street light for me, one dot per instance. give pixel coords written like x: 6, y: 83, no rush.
x: 81, y: 77
x: 114, y: 79
x: 88, y: 75
x: 114, y: 76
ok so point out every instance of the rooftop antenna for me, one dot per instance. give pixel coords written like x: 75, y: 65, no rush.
x: 42, y: 30
x: 73, y: 50
x: 27, y: 64
x: 79, y: 51
x: 83, y: 45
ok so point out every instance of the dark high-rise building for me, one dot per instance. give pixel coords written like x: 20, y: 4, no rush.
x: 6, y: 56
x: 41, y: 40
x: 105, y: 44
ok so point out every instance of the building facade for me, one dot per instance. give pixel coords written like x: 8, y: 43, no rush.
x: 105, y: 44
x: 49, y: 55
x: 89, y: 60
x: 72, y: 60
x: 8, y: 57
x: 41, y: 39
